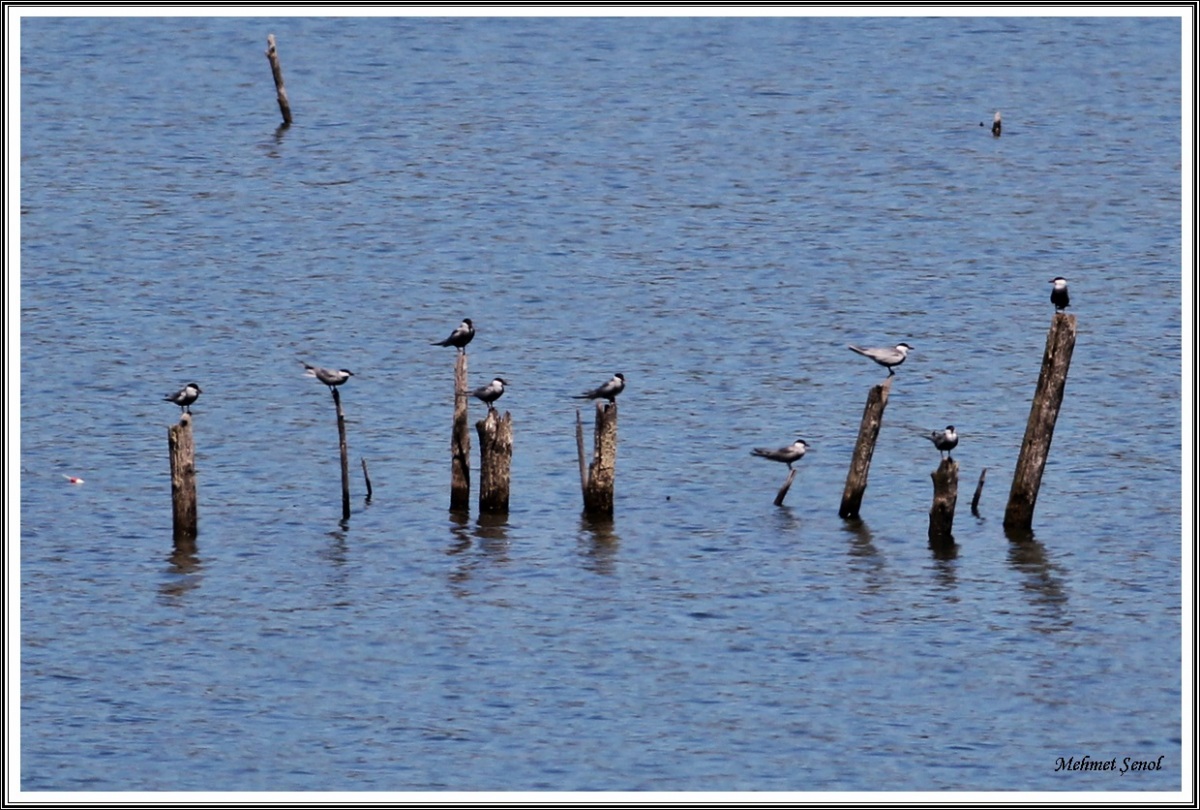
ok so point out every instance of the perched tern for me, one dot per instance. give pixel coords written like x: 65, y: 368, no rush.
x: 329, y: 376
x: 788, y: 455
x: 184, y: 397
x: 460, y: 337
x: 607, y: 391
x: 491, y: 392
x: 944, y: 440
x: 888, y: 358
x: 1059, y: 295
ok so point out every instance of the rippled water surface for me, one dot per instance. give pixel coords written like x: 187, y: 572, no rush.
x: 715, y: 208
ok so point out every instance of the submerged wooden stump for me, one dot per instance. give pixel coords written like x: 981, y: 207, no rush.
x: 945, y: 496
x: 864, y: 448
x: 495, y: 461
x: 1039, y: 430
x: 598, y: 480
x: 460, y: 441
x: 182, y: 451
x: 285, y: 109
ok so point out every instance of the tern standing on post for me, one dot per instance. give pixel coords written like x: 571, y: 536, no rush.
x: 460, y: 337
x: 888, y: 358
x: 607, y: 391
x: 184, y: 397
x: 1059, y: 295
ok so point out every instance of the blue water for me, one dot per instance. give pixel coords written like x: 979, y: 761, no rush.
x: 714, y: 207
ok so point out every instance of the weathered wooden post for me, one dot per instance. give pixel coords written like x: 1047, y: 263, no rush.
x: 460, y: 441
x: 182, y: 451
x: 341, y: 422
x: 864, y: 448
x: 978, y: 493
x: 599, y: 478
x: 945, y: 496
x: 495, y: 461
x: 1039, y: 430
x: 277, y: 73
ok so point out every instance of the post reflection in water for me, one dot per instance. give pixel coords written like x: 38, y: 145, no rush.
x: 599, y: 544
x: 1043, y: 581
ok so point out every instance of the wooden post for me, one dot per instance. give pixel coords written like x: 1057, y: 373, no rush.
x: 182, y: 450
x: 978, y: 492
x: 341, y: 423
x: 1039, y: 430
x: 601, y: 474
x: 495, y: 461
x: 864, y: 448
x: 277, y: 72
x: 945, y: 496
x: 460, y: 441
x: 783, y: 491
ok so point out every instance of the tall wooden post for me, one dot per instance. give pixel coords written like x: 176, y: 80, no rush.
x: 600, y: 481
x: 277, y: 72
x: 495, y: 461
x: 864, y: 448
x: 341, y: 423
x: 945, y: 496
x: 460, y: 441
x: 1039, y: 430
x: 182, y: 451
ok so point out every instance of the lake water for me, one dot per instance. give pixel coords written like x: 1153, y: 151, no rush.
x: 714, y: 207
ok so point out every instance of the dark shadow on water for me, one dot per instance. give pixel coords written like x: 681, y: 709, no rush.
x: 862, y: 543
x: 599, y: 544
x: 1043, y: 580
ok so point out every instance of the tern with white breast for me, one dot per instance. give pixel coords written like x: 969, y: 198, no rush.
x: 888, y: 358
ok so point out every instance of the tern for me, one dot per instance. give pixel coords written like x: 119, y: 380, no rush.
x: 788, y: 455
x: 944, y: 440
x: 184, y: 397
x: 329, y: 376
x: 888, y: 358
x: 607, y: 391
x: 491, y: 392
x: 1059, y: 295
x: 460, y: 337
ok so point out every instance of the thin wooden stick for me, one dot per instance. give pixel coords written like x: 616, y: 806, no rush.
x: 783, y: 491
x: 277, y: 72
x: 460, y: 441
x: 367, y: 478
x: 344, y: 452
x: 978, y: 492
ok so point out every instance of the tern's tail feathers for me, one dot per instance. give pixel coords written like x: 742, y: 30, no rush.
x: 858, y: 350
